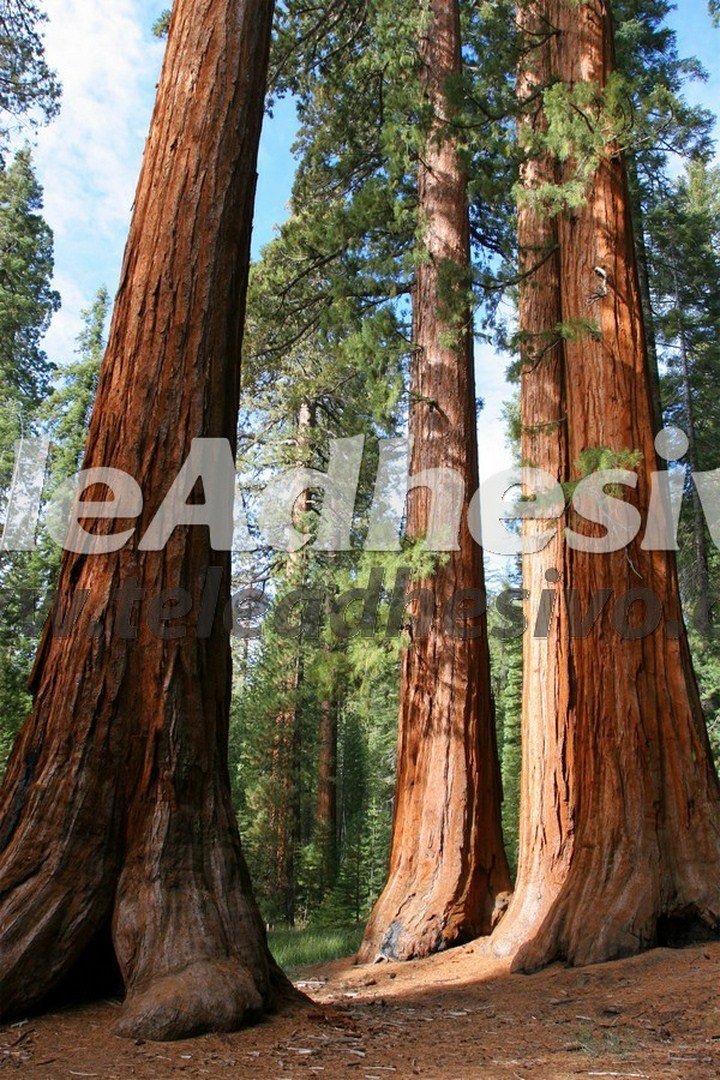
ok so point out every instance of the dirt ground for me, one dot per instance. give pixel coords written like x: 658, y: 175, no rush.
x: 454, y: 1017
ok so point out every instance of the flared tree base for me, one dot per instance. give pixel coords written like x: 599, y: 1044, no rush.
x: 221, y: 996
x: 161, y: 908
x: 626, y: 917
x: 410, y: 924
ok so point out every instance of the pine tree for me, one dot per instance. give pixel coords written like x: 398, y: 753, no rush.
x: 27, y: 303
x: 511, y: 705
x: 323, y: 387
x: 685, y: 230
x: 29, y: 91
x: 161, y: 26
x: 664, y: 125
x: 66, y: 412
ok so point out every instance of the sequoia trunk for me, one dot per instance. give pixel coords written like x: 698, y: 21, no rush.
x: 116, y: 810
x: 543, y: 418
x: 447, y: 864
x: 620, y: 825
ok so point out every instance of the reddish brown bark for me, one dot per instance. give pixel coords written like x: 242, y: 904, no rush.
x: 116, y: 811
x: 327, y: 802
x: 620, y: 825
x: 447, y: 865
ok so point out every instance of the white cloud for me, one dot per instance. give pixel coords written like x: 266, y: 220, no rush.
x: 61, y: 339
x: 89, y: 159
x: 91, y: 154
x: 493, y: 452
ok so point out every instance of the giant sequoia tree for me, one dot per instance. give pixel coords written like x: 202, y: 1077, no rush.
x: 620, y: 819
x: 116, y: 816
x: 447, y: 865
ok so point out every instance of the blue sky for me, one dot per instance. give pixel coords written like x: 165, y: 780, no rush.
x: 89, y: 160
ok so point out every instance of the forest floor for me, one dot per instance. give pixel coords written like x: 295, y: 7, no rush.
x: 455, y: 1017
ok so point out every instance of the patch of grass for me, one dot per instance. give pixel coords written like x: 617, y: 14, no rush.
x: 297, y: 949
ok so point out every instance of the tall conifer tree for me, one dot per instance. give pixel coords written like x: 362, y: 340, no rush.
x: 117, y: 822
x: 620, y: 818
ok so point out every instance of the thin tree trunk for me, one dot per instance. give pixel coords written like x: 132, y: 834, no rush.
x: 116, y: 809
x: 620, y: 823
x: 287, y: 792
x: 643, y: 268
x: 327, y: 825
x: 447, y: 865
x: 703, y: 610
x: 287, y: 725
